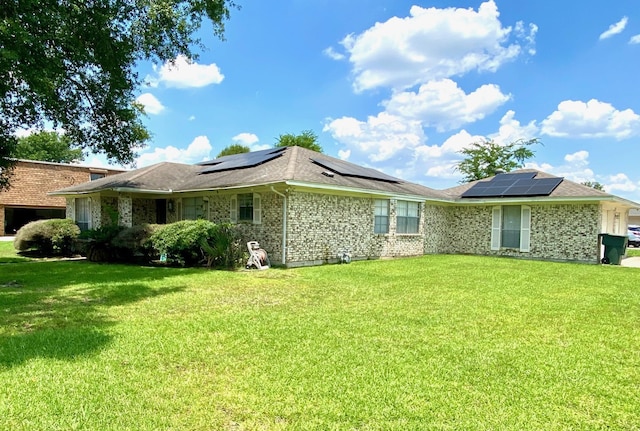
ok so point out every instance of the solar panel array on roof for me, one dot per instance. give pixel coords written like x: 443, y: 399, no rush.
x: 351, y: 170
x: 512, y: 185
x: 241, y: 161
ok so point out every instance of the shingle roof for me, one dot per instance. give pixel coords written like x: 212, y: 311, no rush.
x: 294, y: 165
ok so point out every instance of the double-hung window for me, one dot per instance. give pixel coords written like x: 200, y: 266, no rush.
x: 83, y: 213
x: 193, y: 208
x: 407, y: 217
x: 246, y: 207
x: 381, y: 216
x: 511, y: 227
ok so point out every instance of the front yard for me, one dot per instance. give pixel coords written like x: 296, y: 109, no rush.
x: 437, y: 342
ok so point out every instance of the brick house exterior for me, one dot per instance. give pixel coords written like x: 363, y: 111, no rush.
x: 28, y: 197
x: 303, y: 213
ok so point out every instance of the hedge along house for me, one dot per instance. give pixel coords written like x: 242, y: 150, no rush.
x: 305, y: 208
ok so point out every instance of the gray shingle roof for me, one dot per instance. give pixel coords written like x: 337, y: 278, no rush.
x: 294, y: 165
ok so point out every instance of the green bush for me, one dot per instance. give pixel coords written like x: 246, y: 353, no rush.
x: 135, y: 242
x: 112, y: 243
x: 52, y: 237
x: 181, y: 241
x: 99, y: 247
x: 223, y: 249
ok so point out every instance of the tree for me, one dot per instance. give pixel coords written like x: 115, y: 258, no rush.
x: 483, y: 159
x: 47, y: 147
x: 593, y: 184
x: 307, y: 139
x: 233, y: 149
x: 71, y: 63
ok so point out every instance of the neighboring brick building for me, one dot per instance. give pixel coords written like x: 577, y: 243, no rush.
x: 27, y: 198
x: 306, y: 208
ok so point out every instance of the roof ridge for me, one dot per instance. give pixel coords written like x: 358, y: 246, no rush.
x: 289, y: 173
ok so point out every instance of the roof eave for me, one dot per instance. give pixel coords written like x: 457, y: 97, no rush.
x: 330, y: 187
x: 501, y: 200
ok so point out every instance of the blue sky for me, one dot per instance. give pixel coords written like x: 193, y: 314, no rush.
x: 403, y: 86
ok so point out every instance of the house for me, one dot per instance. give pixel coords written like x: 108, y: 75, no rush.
x: 27, y: 199
x: 305, y: 207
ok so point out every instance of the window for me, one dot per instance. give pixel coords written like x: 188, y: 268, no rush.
x: 96, y: 175
x: 381, y: 216
x: 246, y: 207
x: 407, y: 217
x: 511, y: 227
x: 193, y: 208
x: 83, y: 213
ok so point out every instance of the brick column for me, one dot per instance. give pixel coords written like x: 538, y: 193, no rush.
x: 125, y: 211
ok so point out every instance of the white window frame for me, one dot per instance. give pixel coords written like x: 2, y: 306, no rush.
x: 381, y: 213
x: 412, y: 210
x: 234, y: 209
x: 525, y: 228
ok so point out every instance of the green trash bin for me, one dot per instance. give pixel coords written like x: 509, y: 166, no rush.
x: 615, y: 246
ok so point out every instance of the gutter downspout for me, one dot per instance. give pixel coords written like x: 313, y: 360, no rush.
x: 284, y: 225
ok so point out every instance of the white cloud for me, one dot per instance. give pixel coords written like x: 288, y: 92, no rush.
x: 614, y: 29
x: 197, y: 151
x: 250, y: 140
x: 150, y: 103
x: 379, y: 138
x: 635, y: 39
x: 333, y: 54
x: 444, y: 105
x: 245, y: 139
x: 181, y: 73
x: 619, y: 182
x: 451, y: 147
x: 432, y: 44
x: 593, y: 119
x: 511, y: 130
x: 344, y: 154
x: 576, y: 167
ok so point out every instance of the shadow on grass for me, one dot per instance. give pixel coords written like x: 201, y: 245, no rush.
x: 58, y: 309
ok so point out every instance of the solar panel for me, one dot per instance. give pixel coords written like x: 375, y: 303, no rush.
x: 510, y: 185
x: 241, y: 161
x: 351, y: 170
x: 517, y: 176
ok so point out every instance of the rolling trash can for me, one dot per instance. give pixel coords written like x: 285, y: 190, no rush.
x: 615, y: 246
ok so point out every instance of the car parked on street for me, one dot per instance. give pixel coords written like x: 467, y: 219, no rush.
x: 634, y: 238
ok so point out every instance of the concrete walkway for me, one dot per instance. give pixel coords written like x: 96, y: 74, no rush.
x: 633, y: 262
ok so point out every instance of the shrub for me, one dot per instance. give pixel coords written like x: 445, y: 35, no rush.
x: 135, y: 241
x: 181, y: 241
x: 223, y: 247
x: 99, y: 247
x: 53, y: 237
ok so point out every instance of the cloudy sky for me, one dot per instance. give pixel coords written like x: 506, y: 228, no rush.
x: 403, y: 86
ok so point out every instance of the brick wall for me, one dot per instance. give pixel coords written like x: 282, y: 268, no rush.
x: 558, y: 232
x: 319, y: 226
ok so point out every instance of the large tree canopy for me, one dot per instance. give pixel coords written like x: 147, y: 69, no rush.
x: 485, y: 158
x: 307, y: 139
x: 71, y: 63
x: 47, y: 147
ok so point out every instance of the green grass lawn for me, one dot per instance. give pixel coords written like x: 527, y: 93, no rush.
x: 436, y: 342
